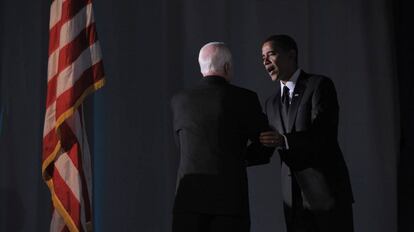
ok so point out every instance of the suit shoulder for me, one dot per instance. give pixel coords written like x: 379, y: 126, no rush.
x: 179, y: 96
x: 243, y: 91
x: 318, y: 78
x: 319, y: 81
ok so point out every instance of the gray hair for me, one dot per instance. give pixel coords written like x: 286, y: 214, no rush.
x: 215, y: 59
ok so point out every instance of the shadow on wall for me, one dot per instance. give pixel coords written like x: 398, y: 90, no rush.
x: 11, y: 210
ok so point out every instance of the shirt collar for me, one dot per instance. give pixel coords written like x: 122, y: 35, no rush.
x: 214, y: 79
x: 291, y: 83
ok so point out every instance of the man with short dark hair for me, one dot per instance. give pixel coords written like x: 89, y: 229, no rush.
x: 213, y: 123
x: 303, y: 112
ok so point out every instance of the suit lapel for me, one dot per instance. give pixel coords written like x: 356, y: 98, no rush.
x: 277, y: 118
x: 296, y: 98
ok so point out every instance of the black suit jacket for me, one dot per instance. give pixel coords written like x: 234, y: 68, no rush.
x: 213, y: 123
x: 312, y: 132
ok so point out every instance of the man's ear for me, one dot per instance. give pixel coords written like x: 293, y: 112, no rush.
x: 227, y: 68
x: 292, y: 54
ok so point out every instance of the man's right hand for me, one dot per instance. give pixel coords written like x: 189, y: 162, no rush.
x: 271, y: 139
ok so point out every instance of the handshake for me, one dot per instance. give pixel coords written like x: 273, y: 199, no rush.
x: 272, y: 139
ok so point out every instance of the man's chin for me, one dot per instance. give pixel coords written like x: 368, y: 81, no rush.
x: 274, y: 78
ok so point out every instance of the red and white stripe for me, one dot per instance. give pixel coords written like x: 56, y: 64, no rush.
x: 75, y: 70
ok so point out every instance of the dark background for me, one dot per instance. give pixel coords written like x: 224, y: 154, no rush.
x: 150, y: 51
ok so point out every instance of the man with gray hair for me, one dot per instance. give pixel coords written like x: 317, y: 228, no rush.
x: 213, y: 123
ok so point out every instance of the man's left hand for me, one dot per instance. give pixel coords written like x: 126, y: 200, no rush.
x: 271, y: 139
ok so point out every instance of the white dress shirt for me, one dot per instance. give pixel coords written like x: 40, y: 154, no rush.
x: 291, y: 83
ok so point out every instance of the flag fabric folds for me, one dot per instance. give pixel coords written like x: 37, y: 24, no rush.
x: 75, y: 70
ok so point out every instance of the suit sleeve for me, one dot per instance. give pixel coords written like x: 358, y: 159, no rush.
x: 256, y: 123
x: 310, y: 146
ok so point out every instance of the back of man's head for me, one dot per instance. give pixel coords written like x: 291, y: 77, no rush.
x: 215, y: 59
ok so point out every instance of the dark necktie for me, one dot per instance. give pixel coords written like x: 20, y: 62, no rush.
x: 285, y: 99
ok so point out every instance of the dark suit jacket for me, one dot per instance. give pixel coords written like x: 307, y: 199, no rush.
x: 213, y: 123
x: 312, y: 132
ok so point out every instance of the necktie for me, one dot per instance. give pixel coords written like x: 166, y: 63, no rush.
x: 285, y: 99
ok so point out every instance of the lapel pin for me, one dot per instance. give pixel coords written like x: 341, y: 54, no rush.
x: 296, y: 94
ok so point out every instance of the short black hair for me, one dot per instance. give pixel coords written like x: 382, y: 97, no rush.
x: 284, y: 42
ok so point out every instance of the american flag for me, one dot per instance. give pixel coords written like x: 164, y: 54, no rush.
x: 75, y: 70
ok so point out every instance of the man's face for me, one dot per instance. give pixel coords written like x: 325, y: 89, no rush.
x: 277, y: 62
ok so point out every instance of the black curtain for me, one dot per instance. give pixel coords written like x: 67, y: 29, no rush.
x: 150, y: 51
x: 404, y: 50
